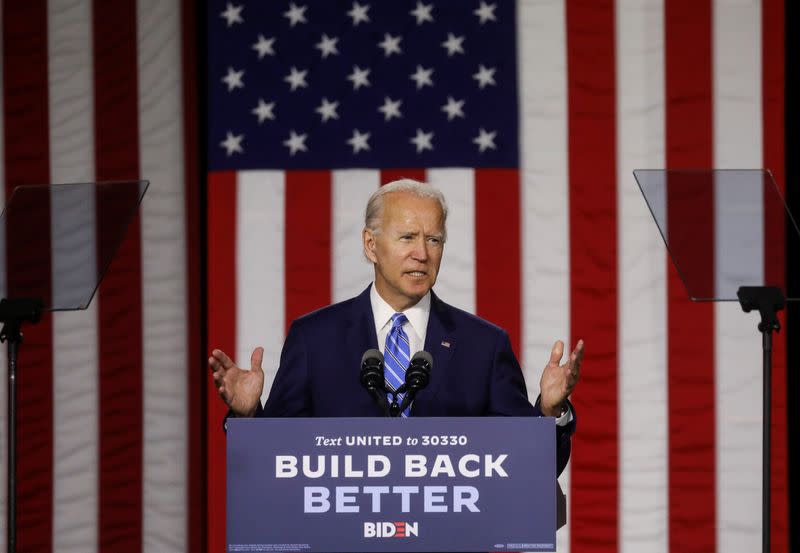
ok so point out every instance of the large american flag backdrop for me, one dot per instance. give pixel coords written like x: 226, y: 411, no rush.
x: 529, y: 115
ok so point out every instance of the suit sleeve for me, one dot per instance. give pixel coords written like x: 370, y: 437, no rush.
x: 508, y: 397
x: 290, y: 395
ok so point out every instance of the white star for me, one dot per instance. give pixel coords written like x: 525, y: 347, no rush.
x: 295, y: 14
x: 327, y: 110
x: 264, y: 110
x: 454, y: 44
x: 453, y: 108
x: 391, y: 44
x: 296, y: 142
x: 484, y: 76
x: 233, y: 79
x: 264, y: 46
x: 390, y: 108
x: 486, y: 12
x: 232, y: 143
x: 327, y: 46
x: 423, y: 140
x: 232, y: 14
x: 359, y: 13
x: 485, y: 140
x: 296, y: 79
x: 360, y: 77
x: 359, y: 141
x: 422, y: 13
x: 422, y: 77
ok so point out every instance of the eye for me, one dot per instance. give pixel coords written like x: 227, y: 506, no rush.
x: 435, y: 240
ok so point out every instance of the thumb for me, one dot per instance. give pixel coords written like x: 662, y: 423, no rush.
x: 557, y: 352
x: 256, y: 358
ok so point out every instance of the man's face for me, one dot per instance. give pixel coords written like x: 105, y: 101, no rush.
x: 407, y: 250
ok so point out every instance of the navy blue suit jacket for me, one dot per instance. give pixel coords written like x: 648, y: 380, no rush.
x: 475, y: 372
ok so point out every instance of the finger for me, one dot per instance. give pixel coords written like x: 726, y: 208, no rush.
x: 576, y: 356
x: 256, y: 358
x: 557, y: 352
x: 215, y: 365
x: 219, y: 378
x: 223, y: 359
x: 577, y: 353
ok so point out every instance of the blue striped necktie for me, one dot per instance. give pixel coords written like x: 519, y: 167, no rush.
x: 397, y: 355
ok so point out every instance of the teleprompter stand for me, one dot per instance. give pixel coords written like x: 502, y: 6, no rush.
x: 12, y: 314
x: 56, y: 243
x: 768, y: 300
x: 725, y: 231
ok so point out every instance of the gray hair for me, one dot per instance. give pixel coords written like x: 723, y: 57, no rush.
x: 374, y: 211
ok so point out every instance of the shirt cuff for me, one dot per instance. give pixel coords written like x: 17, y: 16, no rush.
x: 565, y: 419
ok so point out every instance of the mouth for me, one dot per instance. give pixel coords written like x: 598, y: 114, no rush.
x: 417, y: 274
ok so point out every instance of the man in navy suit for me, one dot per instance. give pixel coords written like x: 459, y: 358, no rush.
x: 475, y: 371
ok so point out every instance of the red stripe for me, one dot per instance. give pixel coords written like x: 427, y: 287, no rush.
x: 307, y: 241
x: 221, y: 335
x: 120, y: 299
x: 196, y: 387
x: 690, y: 342
x: 389, y: 175
x: 773, y: 86
x: 593, y: 262
x: 27, y: 161
x: 498, y: 250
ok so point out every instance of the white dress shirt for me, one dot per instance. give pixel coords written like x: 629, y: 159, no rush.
x: 416, y: 327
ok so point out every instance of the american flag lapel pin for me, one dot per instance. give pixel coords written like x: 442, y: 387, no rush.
x: 445, y: 343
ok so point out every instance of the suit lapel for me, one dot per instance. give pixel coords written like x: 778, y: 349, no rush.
x: 440, y: 342
x: 360, y: 332
x: 359, y: 336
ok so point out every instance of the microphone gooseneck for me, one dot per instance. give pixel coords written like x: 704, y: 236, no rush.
x: 372, y: 378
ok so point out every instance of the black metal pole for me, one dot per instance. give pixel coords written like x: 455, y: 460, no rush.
x: 13, y: 313
x: 766, y: 449
x: 768, y: 300
x: 11, y: 497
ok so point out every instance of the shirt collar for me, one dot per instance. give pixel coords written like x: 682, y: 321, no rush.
x: 417, y: 314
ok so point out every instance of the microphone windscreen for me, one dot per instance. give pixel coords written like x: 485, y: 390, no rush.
x: 422, y: 356
x: 372, y: 354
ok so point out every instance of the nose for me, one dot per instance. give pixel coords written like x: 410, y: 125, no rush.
x: 420, y: 251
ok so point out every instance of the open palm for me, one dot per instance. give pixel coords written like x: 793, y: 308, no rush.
x: 559, y: 380
x: 239, y: 388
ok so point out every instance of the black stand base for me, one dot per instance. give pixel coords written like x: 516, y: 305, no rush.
x: 768, y: 300
x: 12, y: 314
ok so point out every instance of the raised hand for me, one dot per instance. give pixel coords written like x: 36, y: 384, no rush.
x: 239, y: 388
x: 558, y: 380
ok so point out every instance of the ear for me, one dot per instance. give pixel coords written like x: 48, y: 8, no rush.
x: 369, y: 245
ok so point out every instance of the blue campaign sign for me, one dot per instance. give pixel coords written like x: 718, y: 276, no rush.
x: 415, y: 484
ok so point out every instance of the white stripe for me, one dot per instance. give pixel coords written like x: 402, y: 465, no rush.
x: 403, y: 338
x: 397, y: 381
x: 642, y: 282
x: 163, y: 245
x: 260, y: 289
x: 399, y: 350
x: 456, y: 281
x: 542, y: 63
x: 75, y: 333
x: 351, y: 270
x: 393, y: 357
x: 738, y: 143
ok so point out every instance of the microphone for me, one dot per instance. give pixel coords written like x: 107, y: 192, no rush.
x: 418, y: 374
x: 372, y: 378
